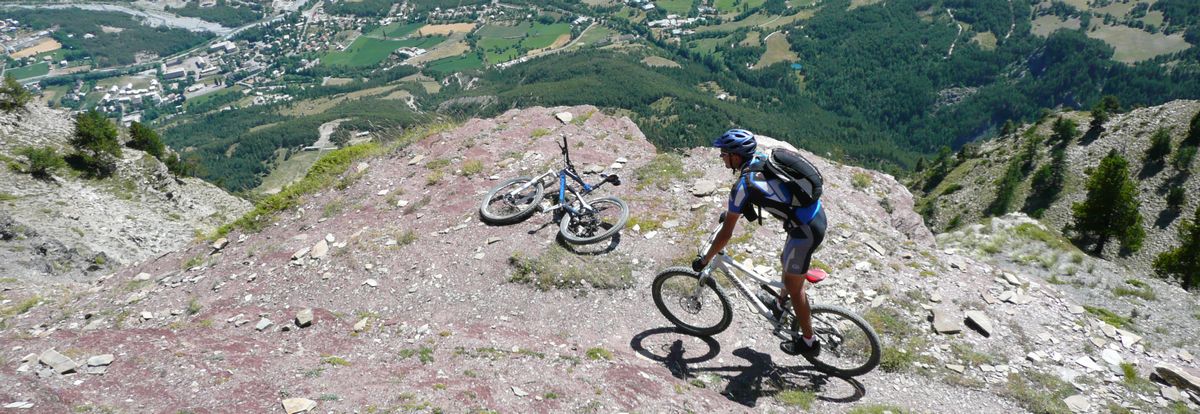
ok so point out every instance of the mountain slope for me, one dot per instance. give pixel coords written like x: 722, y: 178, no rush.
x: 419, y: 307
x: 75, y: 227
x: 971, y: 186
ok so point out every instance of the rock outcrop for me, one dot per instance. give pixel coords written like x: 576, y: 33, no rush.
x: 73, y: 227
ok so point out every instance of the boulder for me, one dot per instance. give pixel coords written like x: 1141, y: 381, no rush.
x: 319, y: 250
x: 58, y: 362
x: 564, y: 117
x: 220, y: 244
x: 263, y: 323
x: 703, y: 188
x: 1178, y: 377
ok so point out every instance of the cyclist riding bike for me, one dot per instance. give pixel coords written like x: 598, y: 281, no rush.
x: 805, y: 227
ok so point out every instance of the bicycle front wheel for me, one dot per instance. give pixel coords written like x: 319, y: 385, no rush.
x: 849, y: 347
x: 602, y: 220
x: 696, y: 308
x: 500, y: 207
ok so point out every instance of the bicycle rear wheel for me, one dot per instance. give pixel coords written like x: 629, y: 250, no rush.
x: 500, y: 207
x: 695, y: 308
x: 849, y: 347
x: 602, y: 220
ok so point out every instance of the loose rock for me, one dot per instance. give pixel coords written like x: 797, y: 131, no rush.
x: 304, y: 318
x: 980, y: 322
x: 58, y: 362
x: 298, y: 405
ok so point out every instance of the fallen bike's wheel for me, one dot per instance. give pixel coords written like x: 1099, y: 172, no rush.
x: 696, y: 308
x: 602, y: 219
x: 501, y: 207
x: 849, y: 347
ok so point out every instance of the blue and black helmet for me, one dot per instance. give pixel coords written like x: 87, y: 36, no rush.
x: 737, y: 141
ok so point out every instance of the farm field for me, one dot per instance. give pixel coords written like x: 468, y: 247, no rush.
x: 46, y: 45
x: 504, y: 43
x: 446, y: 29
x: 199, y: 100
x: 735, y: 6
x: 596, y: 34
x: 30, y: 71
x: 755, y: 19
x: 456, y: 64
x: 1135, y: 45
x: 680, y: 7
x: 709, y: 45
x: 778, y: 50
x: 368, y: 51
x: 396, y: 30
x: 655, y: 61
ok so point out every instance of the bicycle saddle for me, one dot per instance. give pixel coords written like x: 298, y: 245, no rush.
x: 815, y: 275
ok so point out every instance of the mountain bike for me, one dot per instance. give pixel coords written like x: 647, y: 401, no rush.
x: 699, y: 306
x: 581, y: 221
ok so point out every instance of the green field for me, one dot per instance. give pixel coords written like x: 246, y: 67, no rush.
x: 224, y: 94
x: 395, y: 30
x: 29, y: 71
x: 504, y: 43
x: 456, y: 64
x: 709, y: 45
x: 778, y: 50
x: 681, y: 7
x: 1135, y: 45
x: 736, y: 6
x: 368, y: 51
x: 594, y: 35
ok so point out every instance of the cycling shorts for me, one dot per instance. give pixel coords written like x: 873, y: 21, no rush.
x: 802, y: 241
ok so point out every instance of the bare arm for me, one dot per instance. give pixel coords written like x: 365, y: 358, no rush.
x: 723, y: 236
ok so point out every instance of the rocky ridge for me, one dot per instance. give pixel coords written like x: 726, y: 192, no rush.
x: 386, y: 293
x: 73, y: 227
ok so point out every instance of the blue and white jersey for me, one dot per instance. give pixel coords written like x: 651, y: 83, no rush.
x: 754, y: 185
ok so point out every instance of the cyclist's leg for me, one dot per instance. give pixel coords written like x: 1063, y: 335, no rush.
x: 795, y: 256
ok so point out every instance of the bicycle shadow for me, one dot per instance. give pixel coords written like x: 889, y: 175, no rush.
x: 745, y: 384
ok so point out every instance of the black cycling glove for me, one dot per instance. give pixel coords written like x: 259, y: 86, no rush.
x: 698, y: 264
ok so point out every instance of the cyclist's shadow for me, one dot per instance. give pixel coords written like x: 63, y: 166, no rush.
x: 745, y: 383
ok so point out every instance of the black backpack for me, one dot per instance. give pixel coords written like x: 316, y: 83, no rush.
x: 797, y: 174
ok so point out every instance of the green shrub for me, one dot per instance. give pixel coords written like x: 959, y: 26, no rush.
x: 42, y: 161
x: 1108, y: 316
x: 860, y: 180
x: 1175, y: 198
x: 1160, y: 146
x: 540, y: 132
x: 596, y: 354
x: 95, y: 143
x: 1039, y: 392
x: 472, y: 167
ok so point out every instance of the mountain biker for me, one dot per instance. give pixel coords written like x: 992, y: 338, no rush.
x: 805, y: 227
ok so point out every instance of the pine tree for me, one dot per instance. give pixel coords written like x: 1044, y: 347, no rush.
x: 1175, y: 199
x: 1111, y: 207
x: 1160, y: 146
x: 96, y: 143
x: 144, y: 138
x: 13, y: 95
x: 1065, y: 130
x: 1193, y: 137
x: 1183, y: 261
